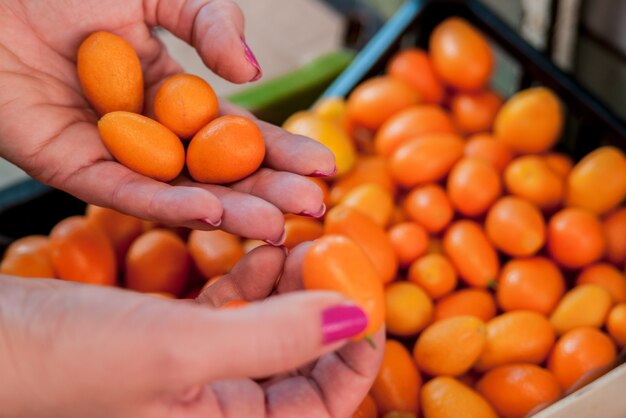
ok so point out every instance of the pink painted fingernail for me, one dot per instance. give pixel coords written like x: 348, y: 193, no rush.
x: 341, y: 322
x: 212, y: 223
x: 317, y: 214
x: 318, y: 173
x: 280, y: 241
x: 252, y: 60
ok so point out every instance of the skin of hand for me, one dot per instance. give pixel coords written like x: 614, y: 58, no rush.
x: 48, y: 128
x: 72, y: 350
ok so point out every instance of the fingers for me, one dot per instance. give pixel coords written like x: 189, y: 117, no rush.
x: 289, y: 192
x: 214, y: 28
x: 245, y: 215
x: 344, y: 377
x: 291, y: 279
x: 296, y: 153
x: 252, y: 278
x: 274, y: 336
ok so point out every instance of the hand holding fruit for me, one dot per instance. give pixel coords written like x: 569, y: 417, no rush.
x: 65, y: 150
x: 104, y: 352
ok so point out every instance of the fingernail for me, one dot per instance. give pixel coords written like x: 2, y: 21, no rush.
x: 341, y: 322
x: 318, y: 173
x: 212, y: 223
x: 280, y: 241
x: 318, y: 214
x: 252, y: 60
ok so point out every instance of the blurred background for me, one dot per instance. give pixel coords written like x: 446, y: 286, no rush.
x: 302, y: 45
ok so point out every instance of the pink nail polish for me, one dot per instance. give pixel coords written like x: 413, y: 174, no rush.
x: 341, y: 322
x: 280, y: 241
x: 212, y: 223
x: 252, y: 60
x: 318, y: 173
x: 317, y: 214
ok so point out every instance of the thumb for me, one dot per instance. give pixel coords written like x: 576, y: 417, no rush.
x: 215, y: 29
x: 262, y: 339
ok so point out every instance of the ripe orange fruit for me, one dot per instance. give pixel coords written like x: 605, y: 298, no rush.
x: 326, y: 132
x: 227, y: 149
x: 235, y: 303
x: 530, y: 177
x: 120, y: 228
x: 446, y: 397
x: 578, y: 352
x: 561, y: 164
x: 460, y: 54
x: 371, y: 200
x: 185, y: 103
x: 371, y: 238
x: 398, y: 383
x: 299, y: 229
x: 516, y: 337
x: 214, y: 252
x: 368, y: 169
x: 598, y: 181
x: 473, y: 186
x: 39, y: 244
x: 515, y: 226
x: 614, y: 226
x: 81, y: 252
x: 533, y: 284
x: 471, y: 253
x: 476, y: 302
x: 335, y: 262
x: 157, y: 261
x: 142, y: 144
x: 366, y: 409
x: 413, y: 66
x: 409, y: 240
x: 409, y: 308
x: 110, y: 74
x: 586, y: 305
x: 425, y: 159
x: 487, y: 148
x: 475, y: 112
x: 323, y: 187
x: 434, y: 273
x: 377, y: 99
x: 616, y: 324
x: 575, y: 237
x: 28, y: 257
x: 517, y: 389
x: 429, y: 206
x: 530, y: 121
x: 607, y: 276
x: 409, y: 124
x: 450, y: 347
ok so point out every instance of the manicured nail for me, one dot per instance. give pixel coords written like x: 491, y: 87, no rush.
x: 252, y: 60
x: 341, y: 322
x: 318, y: 173
x: 318, y: 214
x: 280, y: 241
x: 212, y: 223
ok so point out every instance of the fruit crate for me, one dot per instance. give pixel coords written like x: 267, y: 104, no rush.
x: 589, y: 124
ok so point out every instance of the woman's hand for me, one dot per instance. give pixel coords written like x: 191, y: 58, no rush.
x: 70, y: 350
x: 48, y: 129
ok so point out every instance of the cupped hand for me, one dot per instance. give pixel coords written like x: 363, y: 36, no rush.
x: 48, y: 129
x: 71, y: 350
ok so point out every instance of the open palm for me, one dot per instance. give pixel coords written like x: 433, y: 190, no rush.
x: 48, y: 129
